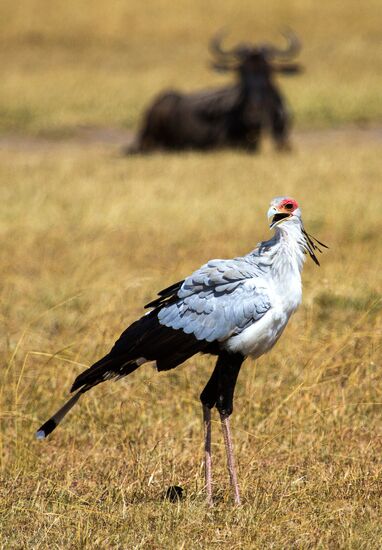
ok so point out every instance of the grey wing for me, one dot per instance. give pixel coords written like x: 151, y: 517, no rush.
x: 220, y: 299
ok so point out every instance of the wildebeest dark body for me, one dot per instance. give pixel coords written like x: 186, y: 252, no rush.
x: 230, y: 116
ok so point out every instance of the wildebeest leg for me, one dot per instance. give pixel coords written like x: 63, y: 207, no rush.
x: 279, y: 121
x: 242, y: 134
x: 249, y: 140
x: 252, y: 143
x: 280, y: 127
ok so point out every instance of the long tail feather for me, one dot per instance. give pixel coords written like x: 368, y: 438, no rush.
x: 105, y: 369
x: 54, y: 420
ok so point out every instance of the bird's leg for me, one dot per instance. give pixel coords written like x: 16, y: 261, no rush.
x: 219, y: 392
x: 229, y: 370
x: 207, y: 453
x: 208, y: 398
x: 230, y: 457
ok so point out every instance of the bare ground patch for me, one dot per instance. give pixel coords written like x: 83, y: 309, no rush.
x: 117, y: 139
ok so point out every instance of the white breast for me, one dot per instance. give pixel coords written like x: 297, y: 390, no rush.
x: 285, y: 293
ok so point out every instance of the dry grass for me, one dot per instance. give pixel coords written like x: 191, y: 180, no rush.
x: 67, y: 63
x: 87, y: 238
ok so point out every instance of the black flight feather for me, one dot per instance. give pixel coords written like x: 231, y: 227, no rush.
x: 166, y: 296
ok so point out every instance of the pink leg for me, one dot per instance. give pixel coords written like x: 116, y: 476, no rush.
x: 230, y: 459
x: 207, y: 453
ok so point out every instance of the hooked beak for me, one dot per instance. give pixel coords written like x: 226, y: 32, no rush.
x: 275, y: 217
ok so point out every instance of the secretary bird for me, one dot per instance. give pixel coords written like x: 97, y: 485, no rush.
x: 229, y: 308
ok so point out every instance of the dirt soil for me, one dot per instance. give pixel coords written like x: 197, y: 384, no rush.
x: 118, y: 138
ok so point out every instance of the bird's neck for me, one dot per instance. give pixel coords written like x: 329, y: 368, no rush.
x: 288, y: 258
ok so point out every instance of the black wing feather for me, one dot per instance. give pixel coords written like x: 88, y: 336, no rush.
x: 167, y: 296
x: 146, y: 338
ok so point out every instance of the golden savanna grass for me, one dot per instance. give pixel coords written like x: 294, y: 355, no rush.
x: 87, y: 237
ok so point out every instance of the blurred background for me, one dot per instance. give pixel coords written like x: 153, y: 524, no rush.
x: 77, y: 63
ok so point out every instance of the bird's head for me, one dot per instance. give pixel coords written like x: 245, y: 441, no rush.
x: 283, y: 209
x: 285, y: 212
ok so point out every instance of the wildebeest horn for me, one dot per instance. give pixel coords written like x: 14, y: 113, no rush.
x: 216, y: 47
x: 292, y: 48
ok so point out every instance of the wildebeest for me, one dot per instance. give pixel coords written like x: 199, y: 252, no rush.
x: 229, y: 116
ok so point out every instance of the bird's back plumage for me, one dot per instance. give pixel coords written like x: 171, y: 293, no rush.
x: 218, y: 300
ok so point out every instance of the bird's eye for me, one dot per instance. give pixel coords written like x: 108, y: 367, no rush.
x: 288, y: 206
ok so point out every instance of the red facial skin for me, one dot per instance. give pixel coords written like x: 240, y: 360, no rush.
x: 282, y: 206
